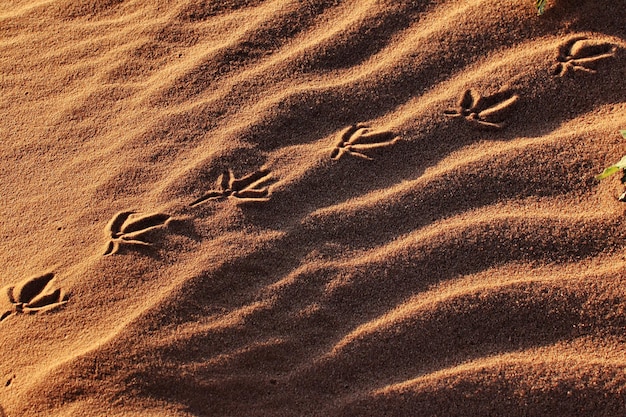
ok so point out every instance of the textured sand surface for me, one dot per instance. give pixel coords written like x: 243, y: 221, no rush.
x: 311, y: 208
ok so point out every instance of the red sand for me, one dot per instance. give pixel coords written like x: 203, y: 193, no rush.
x: 311, y: 208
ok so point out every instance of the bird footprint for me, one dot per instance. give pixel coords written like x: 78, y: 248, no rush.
x: 128, y: 230
x: 581, y: 53
x: 358, y: 138
x: 33, y: 295
x: 484, y: 112
x: 250, y: 188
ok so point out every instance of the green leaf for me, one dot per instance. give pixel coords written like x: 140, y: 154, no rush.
x: 612, y: 169
x: 622, y: 163
x: 607, y: 172
x: 541, y: 5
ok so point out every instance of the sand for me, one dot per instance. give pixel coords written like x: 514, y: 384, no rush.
x: 311, y: 208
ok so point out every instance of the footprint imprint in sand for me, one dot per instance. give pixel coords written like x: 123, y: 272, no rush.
x: 251, y: 188
x: 580, y: 54
x: 484, y: 112
x: 357, y: 138
x: 128, y: 230
x: 33, y: 295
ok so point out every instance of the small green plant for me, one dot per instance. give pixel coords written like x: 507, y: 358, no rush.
x: 618, y: 166
x: 540, y: 5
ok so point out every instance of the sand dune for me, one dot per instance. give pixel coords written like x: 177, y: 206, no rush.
x: 311, y: 208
